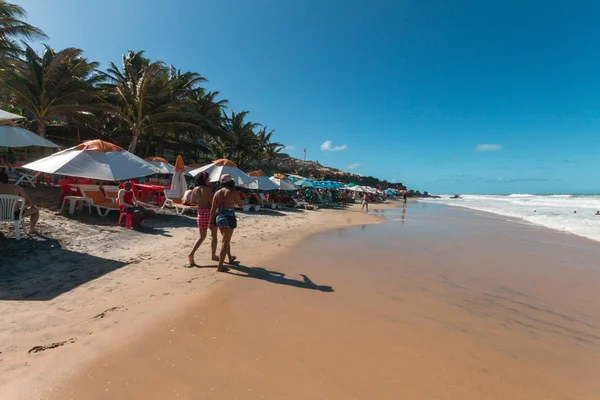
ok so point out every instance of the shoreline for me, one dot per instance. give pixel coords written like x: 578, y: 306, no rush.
x: 46, y: 341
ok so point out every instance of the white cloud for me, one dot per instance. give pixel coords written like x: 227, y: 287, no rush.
x: 489, y: 147
x: 353, y: 165
x: 289, y: 148
x: 326, y: 146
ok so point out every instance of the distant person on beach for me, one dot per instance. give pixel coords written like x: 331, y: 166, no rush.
x: 365, y: 202
x: 126, y: 198
x: 597, y: 213
x: 202, y: 196
x: 344, y: 198
x: 30, y: 209
x: 404, y: 196
x: 223, y: 214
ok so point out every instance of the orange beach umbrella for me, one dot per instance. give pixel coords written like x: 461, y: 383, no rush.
x: 94, y: 159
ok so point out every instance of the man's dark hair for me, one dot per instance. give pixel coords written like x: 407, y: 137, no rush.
x: 201, y: 178
x: 229, y: 185
x: 3, y: 177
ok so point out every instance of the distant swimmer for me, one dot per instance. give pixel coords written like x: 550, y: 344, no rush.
x: 575, y: 212
x: 597, y: 213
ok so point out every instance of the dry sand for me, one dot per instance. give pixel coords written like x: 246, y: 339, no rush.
x: 87, y: 285
x: 432, y: 305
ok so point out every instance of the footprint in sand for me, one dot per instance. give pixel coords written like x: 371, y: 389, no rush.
x: 105, y: 312
x: 38, y: 349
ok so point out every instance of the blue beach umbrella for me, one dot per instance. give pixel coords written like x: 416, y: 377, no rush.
x: 304, y: 183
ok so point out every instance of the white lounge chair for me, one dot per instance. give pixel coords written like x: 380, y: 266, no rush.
x: 8, y: 203
x: 172, y: 200
x: 27, y: 178
x: 266, y: 203
x: 304, y: 204
x: 111, y: 192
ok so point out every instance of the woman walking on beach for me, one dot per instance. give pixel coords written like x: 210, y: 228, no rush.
x: 223, y: 214
x: 202, y: 196
x: 365, y: 202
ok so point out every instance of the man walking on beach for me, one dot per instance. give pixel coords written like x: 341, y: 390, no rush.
x: 30, y: 209
x: 202, y: 196
x: 404, y: 197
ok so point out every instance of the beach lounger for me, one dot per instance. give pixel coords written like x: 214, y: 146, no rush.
x: 304, y: 204
x: 266, y: 203
x: 8, y: 214
x: 111, y: 192
x: 176, y: 202
x: 28, y: 178
x: 98, y: 199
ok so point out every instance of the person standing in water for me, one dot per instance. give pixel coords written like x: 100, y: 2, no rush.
x: 404, y: 197
x: 223, y: 213
x: 202, y: 196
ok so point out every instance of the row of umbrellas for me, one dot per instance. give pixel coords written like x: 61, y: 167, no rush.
x: 96, y: 159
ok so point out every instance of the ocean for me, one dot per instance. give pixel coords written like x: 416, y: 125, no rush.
x: 554, y: 211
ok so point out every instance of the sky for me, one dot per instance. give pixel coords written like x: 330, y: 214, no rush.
x: 455, y: 96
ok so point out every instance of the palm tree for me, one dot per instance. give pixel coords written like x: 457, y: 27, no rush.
x: 263, y: 140
x: 56, y: 85
x: 145, y: 95
x: 240, y: 136
x: 272, y: 151
x: 12, y: 28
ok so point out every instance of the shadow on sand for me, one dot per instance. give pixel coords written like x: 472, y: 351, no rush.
x: 40, y: 269
x: 276, y: 277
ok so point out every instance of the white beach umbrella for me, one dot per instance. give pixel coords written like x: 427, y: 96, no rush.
x: 178, y: 183
x: 162, y: 165
x: 261, y: 183
x: 15, y: 136
x: 369, y: 189
x: 283, y: 183
x: 355, y: 188
x: 5, y: 115
x: 221, y: 167
x: 94, y: 159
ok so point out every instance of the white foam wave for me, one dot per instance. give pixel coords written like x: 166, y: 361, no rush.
x: 568, y: 213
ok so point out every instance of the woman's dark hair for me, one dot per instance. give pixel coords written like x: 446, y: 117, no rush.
x: 229, y: 185
x: 201, y: 178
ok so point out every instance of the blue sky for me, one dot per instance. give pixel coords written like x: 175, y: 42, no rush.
x: 447, y: 96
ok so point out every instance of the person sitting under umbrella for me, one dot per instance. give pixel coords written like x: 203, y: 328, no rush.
x: 30, y: 210
x: 127, y: 199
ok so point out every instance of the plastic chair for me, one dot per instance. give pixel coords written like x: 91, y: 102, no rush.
x: 124, y: 212
x: 65, y: 189
x: 7, y: 211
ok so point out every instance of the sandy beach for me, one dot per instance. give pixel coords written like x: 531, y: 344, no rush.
x: 87, y: 285
x: 435, y: 303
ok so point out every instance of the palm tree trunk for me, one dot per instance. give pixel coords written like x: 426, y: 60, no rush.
x: 41, y: 130
x: 148, y: 142
x: 135, y: 136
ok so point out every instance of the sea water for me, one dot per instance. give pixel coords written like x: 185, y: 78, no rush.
x: 555, y: 211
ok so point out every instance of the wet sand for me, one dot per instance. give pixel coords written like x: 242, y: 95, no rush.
x: 438, y: 303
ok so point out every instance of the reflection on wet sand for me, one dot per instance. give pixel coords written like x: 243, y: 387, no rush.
x: 452, y: 306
